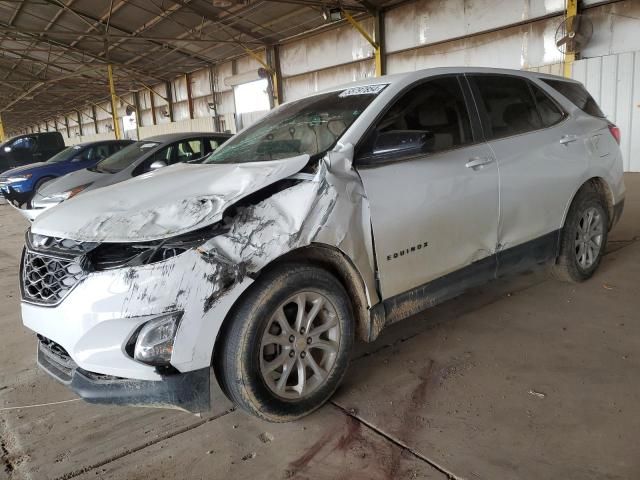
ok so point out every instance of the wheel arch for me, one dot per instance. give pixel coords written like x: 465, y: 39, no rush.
x: 335, y: 262
x: 600, y: 186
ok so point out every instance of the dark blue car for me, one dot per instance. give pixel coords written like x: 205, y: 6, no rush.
x: 18, y: 185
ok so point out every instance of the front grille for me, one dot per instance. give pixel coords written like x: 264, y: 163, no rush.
x: 48, y: 279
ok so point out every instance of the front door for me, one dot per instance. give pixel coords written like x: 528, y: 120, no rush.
x: 434, y: 210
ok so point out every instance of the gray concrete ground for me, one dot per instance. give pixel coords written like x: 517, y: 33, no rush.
x: 525, y: 378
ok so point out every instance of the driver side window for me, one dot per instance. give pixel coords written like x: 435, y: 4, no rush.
x: 429, y: 118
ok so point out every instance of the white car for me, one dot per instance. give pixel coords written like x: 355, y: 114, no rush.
x: 334, y: 216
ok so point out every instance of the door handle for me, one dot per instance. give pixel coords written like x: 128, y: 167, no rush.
x: 477, y: 162
x: 568, y: 139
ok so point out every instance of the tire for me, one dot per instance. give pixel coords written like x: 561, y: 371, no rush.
x: 574, y: 264
x: 256, y: 338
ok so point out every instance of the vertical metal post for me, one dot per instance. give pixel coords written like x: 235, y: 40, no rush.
x: 170, y: 100
x: 378, y: 36
x: 80, y: 123
x: 154, y: 120
x: 187, y: 79
x: 569, y: 58
x: 213, y: 86
x: 66, y: 124
x: 114, y: 105
x: 2, y: 137
x: 95, y: 118
x: 273, y: 60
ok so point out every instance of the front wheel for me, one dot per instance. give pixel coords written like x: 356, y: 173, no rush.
x: 286, y: 346
x: 584, y: 238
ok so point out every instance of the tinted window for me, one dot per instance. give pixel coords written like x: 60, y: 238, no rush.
x: 24, y: 143
x: 125, y: 157
x: 435, y: 107
x: 578, y: 96
x: 188, y: 150
x: 99, y: 152
x: 508, y: 104
x: 66, y: 154
x: 212, y: 143
x: 550, y: 113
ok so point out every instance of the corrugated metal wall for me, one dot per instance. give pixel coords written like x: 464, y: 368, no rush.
x: 614, y: 82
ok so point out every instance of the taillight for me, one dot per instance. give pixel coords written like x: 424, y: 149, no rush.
x: 615, y: 132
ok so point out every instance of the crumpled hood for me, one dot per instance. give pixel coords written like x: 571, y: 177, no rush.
x: 164, y: 203
x: 24, y: 169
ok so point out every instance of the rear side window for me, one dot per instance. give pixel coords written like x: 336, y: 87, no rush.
x: 578, y: 95
x: 550, y: 112
x: 509, y: 107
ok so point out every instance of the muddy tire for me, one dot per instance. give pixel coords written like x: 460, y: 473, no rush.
x: 285, y: 348
x: 584, y: 237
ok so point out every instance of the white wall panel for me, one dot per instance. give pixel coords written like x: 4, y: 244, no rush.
x: 614, y: 81
x: 301, y: 85
x: 430, y: 21
x: 616, y: 29
x: 195, y: 125
x: 335, y: 47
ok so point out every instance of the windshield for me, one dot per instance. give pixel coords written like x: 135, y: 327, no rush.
x: 66, y: 154
x: 311, y: 125
x: 125, y: 157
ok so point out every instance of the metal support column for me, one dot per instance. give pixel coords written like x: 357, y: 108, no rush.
x: 66, y: 124
x: 80, y: 123
x: 2, y: 137
x: 273, y: 60
x: 95, y: 118
x: 114, y: 105
x: 169, y: 100
x: 569, y: 58
x: 187, y: 79
x: 375, y: 43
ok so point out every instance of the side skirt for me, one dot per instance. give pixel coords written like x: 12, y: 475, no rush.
x: 528, y: 256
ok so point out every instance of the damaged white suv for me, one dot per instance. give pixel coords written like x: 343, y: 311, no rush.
x: 335, y: 215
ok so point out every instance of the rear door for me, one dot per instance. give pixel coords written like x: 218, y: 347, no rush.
x: 541, y: 157
x: 436, y: 211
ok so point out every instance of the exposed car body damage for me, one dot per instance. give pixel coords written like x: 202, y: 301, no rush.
x: 352, y: 208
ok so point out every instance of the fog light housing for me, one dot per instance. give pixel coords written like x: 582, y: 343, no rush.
x: 154, y: 341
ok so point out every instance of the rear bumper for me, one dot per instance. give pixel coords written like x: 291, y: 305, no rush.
x: 188, y: 391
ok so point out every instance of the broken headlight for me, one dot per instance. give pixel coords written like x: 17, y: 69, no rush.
x: 107, y: 256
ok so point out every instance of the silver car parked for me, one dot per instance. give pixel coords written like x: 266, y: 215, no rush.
x: 141, y: 157
x: 332, y: 217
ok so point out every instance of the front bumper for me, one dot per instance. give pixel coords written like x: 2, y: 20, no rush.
x: 188, y: 391
x: 95, y: 320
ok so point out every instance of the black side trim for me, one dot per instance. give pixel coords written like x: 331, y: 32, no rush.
x: 437, y: 291
x: 529, y: 255
x: 185, y: 391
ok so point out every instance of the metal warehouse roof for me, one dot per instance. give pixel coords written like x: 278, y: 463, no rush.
x: 53, y: 53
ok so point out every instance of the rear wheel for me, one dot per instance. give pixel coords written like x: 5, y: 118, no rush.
x: 584, y: 237
x: 286, y: 347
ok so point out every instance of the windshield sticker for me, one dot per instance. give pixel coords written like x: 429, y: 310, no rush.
x: 363, y: 90
x: 148, y: 145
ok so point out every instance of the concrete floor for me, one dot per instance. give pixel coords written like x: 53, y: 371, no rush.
x: 526, y: 378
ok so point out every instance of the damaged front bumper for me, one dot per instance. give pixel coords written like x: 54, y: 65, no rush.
x: 188, y: 391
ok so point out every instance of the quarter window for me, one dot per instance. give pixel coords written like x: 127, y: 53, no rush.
x: 509, y: 107
x: 578, y: 95
x: 550, y: 113
x: 434, y: 110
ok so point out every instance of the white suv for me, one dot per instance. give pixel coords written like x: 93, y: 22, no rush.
x: 332, y: 217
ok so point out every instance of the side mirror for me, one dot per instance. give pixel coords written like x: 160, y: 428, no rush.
x: 403, y: 142
x: 157, y: 164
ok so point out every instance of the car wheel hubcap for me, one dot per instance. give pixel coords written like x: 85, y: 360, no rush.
x: 589, y: 236
x: 300, y: 345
